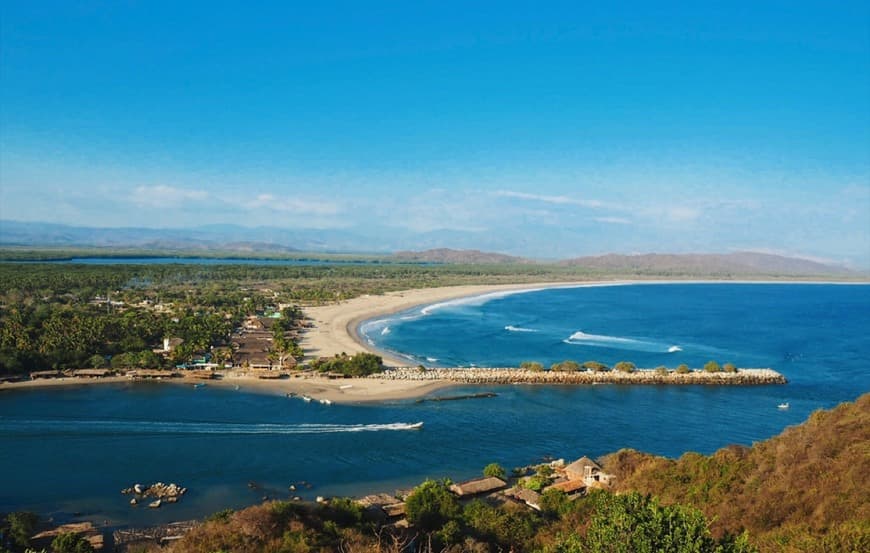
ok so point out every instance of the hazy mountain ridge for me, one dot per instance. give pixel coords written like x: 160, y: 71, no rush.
x: 737, y: 263
x: 447, y: 255
x: 265, y: 241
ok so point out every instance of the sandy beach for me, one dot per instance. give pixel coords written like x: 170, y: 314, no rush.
x: 348, y: 390
x: 334, y: 332
x: 335, y: 325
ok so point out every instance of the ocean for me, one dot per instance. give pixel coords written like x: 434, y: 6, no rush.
x: 70, y: 451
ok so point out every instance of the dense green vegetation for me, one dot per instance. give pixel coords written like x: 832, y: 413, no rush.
x: 601, y: 522
x: 55, y: 316
x: 361, y: 364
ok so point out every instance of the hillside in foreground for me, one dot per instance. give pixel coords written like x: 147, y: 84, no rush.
x: 804, y: 490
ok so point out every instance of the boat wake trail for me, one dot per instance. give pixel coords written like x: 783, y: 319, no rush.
x: 78, y: 427
x: 512, y: 328
x: 580, y: 338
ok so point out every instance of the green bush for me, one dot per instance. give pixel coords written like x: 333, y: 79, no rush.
x: 68, y: 542
x: 595, y: 366
x: 494, y: 469
x: 625, y: 367
x: 712, y: 367
x: 565, y: 366
x: 21, y: 526
x: 431, y: 505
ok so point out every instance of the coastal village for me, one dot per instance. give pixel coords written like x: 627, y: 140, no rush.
x: 525, y: 487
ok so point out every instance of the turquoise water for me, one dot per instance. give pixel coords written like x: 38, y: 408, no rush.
x: 72, y: 450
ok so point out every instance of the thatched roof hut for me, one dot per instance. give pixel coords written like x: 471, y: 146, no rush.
x: 582, y: 468
x: 527, y: 496
x: 93, y: 373
x: 45, y: 374
x: 570, y: 487
x: 478, y: 486
x: 152, y: 373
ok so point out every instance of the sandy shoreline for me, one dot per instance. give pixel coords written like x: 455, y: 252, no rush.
x: 335, y: 331
x: 335, y: 325
x: 348, y: 390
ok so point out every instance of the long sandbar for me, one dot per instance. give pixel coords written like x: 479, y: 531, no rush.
x: 346, y: 390
x: 336, y: 325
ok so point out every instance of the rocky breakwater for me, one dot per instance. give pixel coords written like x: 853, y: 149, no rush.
x: 742, y: 377
x: 160, y: 493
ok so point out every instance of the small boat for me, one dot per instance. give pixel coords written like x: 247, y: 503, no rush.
x: 415, y: 426
x: 325, y: 401
x: 306, y: 399
x: 236, y: 387
x: 345, y: 387
x: 156, y: 504
x: 782, y: 406
x: 199, y: 385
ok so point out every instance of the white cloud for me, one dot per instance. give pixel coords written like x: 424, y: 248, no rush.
x: 559, y: 200
x: 300, y: 206
x: 166, y: 196
x: 613, y: 220
x: 681, y: 214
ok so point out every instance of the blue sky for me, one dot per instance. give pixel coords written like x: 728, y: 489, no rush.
x: 545, y: 129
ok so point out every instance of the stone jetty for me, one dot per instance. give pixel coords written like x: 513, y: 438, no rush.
x: 742, y: 377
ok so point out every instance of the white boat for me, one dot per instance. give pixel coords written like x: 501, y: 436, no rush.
x: 345, y: 387
x: 782, y: 406
x: 326, y: 401
x: 415, y: 426
x: 306, y: 399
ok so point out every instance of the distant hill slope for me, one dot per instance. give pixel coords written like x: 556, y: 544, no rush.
x: 738, y: 263
x: 446, y: 255
x: 806, y: 488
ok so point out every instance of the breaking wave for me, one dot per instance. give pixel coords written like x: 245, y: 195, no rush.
x: 165, y: 427
x: 580, y: 338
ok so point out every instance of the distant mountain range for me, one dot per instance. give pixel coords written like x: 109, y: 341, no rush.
x: 737, y: 263
x: 446, y: 255
x: 269, y: 241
